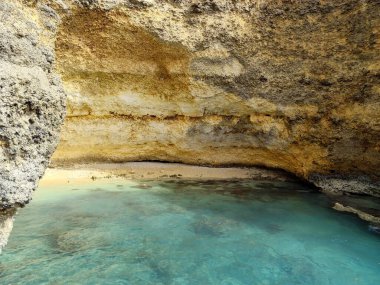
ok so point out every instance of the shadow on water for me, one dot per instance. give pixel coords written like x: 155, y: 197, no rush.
x: 270, y: 206
x: 204, y: 232
x: 199, y: 196
x: 217, y: 206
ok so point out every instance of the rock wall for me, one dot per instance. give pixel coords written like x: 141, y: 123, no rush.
x: 285, y: 84
x: 32, y: 105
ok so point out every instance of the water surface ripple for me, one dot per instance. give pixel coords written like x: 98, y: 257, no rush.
x: 188, y: 232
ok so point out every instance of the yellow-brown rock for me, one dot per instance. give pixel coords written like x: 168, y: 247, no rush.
x: 285, y: 84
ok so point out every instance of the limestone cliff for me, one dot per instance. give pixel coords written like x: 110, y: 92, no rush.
x: 32, y: 105
x: 285, y: 84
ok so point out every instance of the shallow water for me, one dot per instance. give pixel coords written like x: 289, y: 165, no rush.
x: 188, y: 232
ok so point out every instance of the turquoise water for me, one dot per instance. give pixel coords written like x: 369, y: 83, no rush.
x: 188, y: 232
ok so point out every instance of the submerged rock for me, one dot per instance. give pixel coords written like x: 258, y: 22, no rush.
x: 375, y: 228
x: 364, y: 215
x: 6, y: 225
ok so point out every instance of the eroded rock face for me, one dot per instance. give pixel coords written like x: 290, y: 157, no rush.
x: 32, y: 105
x: 285, y: 84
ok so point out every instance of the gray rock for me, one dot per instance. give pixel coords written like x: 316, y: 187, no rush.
x: 32, y: 108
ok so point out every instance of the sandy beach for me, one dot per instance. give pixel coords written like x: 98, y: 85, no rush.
x: 152, y: 170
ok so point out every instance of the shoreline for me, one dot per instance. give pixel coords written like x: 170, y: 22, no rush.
x: 86, y: 173
x: 83, y: 173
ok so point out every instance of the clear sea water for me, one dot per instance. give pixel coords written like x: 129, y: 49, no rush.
x: 188, y: 232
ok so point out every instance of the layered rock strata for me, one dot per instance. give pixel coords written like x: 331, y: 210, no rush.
x: 284, y: 84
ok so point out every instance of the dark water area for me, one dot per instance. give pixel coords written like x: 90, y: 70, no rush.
x: 188, y: 232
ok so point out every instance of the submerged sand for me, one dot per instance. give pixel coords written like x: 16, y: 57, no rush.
x: 85, y: 173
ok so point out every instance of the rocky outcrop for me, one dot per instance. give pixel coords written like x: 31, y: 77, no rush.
x: 364, y: 215
x: 32, y: 106
x: 285, y: 84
